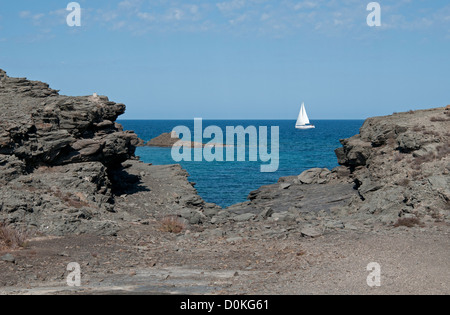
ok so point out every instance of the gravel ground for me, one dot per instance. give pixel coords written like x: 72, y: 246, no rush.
x: 143, y: 260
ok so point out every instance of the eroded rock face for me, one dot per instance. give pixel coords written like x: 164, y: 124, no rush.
x: 10, y: 167
x: 56, y: 153
x: 395, y: 162
x: 314, y: 176
x: 74, y: 198
x: 398, y: 166
x: 43, y: 128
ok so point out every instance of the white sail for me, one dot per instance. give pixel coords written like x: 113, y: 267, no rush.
x: 303, y: 117
x: 303, y: 120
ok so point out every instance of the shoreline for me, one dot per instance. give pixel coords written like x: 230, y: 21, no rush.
x: 68, y: 174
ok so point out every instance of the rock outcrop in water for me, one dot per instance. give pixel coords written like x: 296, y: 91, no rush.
x: 171, y: 139
x: 165, y: 140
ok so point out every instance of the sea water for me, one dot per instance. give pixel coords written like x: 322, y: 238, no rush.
x: 226, y: 183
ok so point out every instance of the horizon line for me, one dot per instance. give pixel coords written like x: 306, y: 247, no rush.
x: 239, y: 119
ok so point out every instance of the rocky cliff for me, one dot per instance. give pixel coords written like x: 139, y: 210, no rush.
x: 57, y: 154
x: 400, y: 165
x: 40, y: 127
x: 396, y: 168
x: 67, y: 167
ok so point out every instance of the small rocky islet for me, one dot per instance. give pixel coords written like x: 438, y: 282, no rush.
x: 68, y: 168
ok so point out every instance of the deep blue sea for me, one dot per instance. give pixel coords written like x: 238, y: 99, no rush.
x: 227, y: 183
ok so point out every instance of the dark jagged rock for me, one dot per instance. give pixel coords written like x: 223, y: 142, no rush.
x: 67, y: 167
x: 314, y: 176
x: 44, y: 128
x: 10, y: 168
x: 400, y: 153
x: 56, y: 153
x: 398, y: 166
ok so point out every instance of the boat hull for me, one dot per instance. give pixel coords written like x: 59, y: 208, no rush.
x: 305, y: 127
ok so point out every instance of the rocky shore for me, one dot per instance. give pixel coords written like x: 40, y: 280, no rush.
x: 69, y: 178
x: 396, y: 168
x: 61, y: 160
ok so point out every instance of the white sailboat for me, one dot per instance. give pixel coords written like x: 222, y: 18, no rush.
x: 303, y: 120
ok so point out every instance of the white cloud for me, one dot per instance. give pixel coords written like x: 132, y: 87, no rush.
x: 119, y: 25
x: 265, y: 17
x: 175, y: 14
x: 229, y: 6
x: 146, y: 16
x: 256, y: 17
x: 305, y: 5
x: 35, y: 18
x: 239, y: 19
x: 24, y: 14
x: 194, y: 9
x: 130, y: 4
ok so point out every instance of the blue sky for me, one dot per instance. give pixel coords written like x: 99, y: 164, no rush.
x: 236, y: 59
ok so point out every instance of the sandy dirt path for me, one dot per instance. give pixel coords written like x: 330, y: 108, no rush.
x: 412, y: 261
